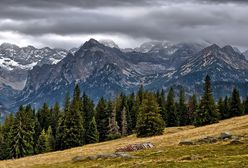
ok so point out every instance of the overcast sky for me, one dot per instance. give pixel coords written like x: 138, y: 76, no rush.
x: 69, y: 23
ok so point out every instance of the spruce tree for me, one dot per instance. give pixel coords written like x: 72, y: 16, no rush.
x: 6, y: 129
x: 221, y: 109
x: 102, y: 116
x: 226, y: 108
x: 73, y: 126
x: 60, y: 136
x: 192, y: 107
x: 183, y: 115
x: 51, y: 140
x: 44, y: 116
x: 43, y: 144
x: 88, y: 112
x: 150, y: 122
x: 22, y: 134
x: 37, y: 132
x: 235, y: 107
x: 171, y: 113
x: 162, y: 104
x: 207, y: 112
x: 55, y: 114
x: 92, y: 134
x: 133, y: 112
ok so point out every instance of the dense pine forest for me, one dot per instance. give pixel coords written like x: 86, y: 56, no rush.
x: 33, y: 131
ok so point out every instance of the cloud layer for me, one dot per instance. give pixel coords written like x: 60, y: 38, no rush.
x: 66, y: 24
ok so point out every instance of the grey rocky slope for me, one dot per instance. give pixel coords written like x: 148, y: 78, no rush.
x: 105, y: 70
x: 16, y: 61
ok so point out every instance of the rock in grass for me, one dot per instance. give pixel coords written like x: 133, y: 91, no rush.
x: 225, y: 135
x: 208, y: 139
x: 186, y: 142
x: 78, y: 158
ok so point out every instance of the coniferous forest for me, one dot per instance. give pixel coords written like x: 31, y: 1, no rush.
x: 79, y: 122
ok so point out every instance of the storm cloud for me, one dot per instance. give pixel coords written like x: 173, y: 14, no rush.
x: 67, y: 24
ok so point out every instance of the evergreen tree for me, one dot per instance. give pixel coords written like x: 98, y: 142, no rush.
x: 226, y: 108
x: 51, y: 139
x: 183, y: 115
x: 246, y: 105
x: 192, y: 107
x: 43, y: 144
x: 123, y: 122
x: 162, y: 104
x: 140, y: 94
x: 73, y: 126
x: 171, y: 114
x: 6, y: 130
x: 60, y: 136
x: 37, y: 132
x: 207, y: 112
x: 44, y: 116
x: 102, y: 115
x: 88, y: 112
x: 55, y: 114
x: 133, y: 112
x: 22, y: 134
x: 150, y: 122
x: 235, y: 108
x: 92, y: 134
x: 221, y: 108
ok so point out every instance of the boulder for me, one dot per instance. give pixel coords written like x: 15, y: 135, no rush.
x: 186, y: 142
x: 78, y: 158
x: 225, y: 135
x: 123, y: 155
x: 208, y: 139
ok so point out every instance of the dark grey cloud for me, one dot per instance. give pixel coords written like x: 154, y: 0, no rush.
x: 178, y: 20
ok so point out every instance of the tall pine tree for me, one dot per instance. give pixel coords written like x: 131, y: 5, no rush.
x: 235, y: 107
x: 92, y: 134
x: 171, y: 113
x: 22, y: 134
x: 183, y: 114
x: 192, y: 107
x: 73, y: 126
x: 88, y: 112
x: 102, y: 116
x: 149, y: 122
x: 207, y: 112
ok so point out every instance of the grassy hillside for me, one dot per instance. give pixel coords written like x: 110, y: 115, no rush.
x: 167, y: 152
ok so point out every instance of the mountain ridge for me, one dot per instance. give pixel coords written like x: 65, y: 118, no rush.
x: 106, y: 71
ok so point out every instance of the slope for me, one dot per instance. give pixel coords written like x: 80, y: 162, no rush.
x: 166, y: 151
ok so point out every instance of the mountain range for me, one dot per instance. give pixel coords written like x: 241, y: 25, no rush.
x: 33, y: 76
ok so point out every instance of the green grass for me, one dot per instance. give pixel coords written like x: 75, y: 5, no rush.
x: 167, y: 152
x: 220, y: 155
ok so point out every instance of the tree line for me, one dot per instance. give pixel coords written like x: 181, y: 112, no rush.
x: 80, y: 122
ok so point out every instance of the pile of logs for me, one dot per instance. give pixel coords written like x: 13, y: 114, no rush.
x: 135, y: 147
